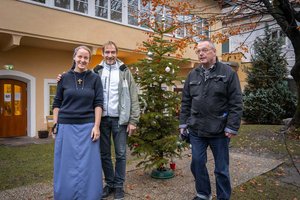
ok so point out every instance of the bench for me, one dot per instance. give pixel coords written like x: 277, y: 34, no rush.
x: 49, y: 120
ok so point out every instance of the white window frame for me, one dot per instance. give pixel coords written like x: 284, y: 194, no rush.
x: 126, y: 13
x: 47, y: 83
x: 92, y: 9
x: 123, y: 16
x: 102, y: 8
x: 188, y: 19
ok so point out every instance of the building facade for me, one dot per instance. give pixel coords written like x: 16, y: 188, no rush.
x: 287, y: 48
x: 37, y: 39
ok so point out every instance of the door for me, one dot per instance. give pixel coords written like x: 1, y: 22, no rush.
x: 13, y: 108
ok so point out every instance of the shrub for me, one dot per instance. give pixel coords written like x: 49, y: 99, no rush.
x: 269, y: 105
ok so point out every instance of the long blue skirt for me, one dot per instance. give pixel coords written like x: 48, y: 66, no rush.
x: 77, y: 164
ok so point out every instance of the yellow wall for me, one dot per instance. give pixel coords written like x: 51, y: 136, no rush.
x: 41, y: 64
x: 243, y: 68
x: 56, y: 25
x: 60, y: 25
x: 42, y: 22
x: 237, y: 57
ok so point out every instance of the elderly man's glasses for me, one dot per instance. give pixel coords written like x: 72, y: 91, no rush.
x: 205, y: 50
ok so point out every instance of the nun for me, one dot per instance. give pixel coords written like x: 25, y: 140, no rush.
x: 77, y: 110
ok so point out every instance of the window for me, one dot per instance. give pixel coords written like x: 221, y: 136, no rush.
x: 78, y: 5
x: 169, y: 18
x: 164, y: 12
x: 40, y: 1
x: 50, y: 86
x: 133, y: 12
x: 202, y: 26
x: 225, y: 47
x: 145, y: 14
x: 52, y: 93
x: 18, y: 99
x: 182, y: 21
x: 101, y: 7
x: 277, y: 34
x: 160, y: 13
x: 62, y: 4
x: 116, y: 10
x: 199, y: 26
x: 7, y: 99
x: 81, y: 6
x: 180, y: 31
x: 13, y: 98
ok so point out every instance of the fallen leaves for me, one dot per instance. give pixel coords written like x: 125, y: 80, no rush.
x: 242, y: 189
x: 131, y: 186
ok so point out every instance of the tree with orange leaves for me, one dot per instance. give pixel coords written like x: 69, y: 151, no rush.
x: 240, y: 16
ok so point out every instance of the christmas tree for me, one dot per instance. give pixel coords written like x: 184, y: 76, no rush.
x: 156, y: 139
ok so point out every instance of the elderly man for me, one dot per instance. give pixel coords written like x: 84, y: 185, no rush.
x: 211, y: 111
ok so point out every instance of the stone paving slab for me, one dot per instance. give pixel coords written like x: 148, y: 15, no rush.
x: 139, y: 185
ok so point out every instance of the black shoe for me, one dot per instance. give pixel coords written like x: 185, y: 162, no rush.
x: 119, y: 194
x: 196, y: 198
x: 107, y: 191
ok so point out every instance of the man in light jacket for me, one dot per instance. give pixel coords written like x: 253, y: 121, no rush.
x: 120, y: 117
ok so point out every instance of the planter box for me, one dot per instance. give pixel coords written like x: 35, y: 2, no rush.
x: 43, y: 134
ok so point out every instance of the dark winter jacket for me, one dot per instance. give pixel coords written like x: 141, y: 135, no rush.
x: 209, y: 107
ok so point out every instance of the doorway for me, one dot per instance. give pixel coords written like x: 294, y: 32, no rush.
x: 13, y: 108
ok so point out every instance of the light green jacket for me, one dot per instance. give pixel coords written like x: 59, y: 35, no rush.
x: 129, y: 109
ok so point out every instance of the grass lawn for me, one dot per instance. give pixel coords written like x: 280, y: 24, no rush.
x: 25, y: 165
x: 266, y: 140
x: 267, y: 187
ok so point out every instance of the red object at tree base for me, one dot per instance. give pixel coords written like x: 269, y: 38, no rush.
x: 173, y: 166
